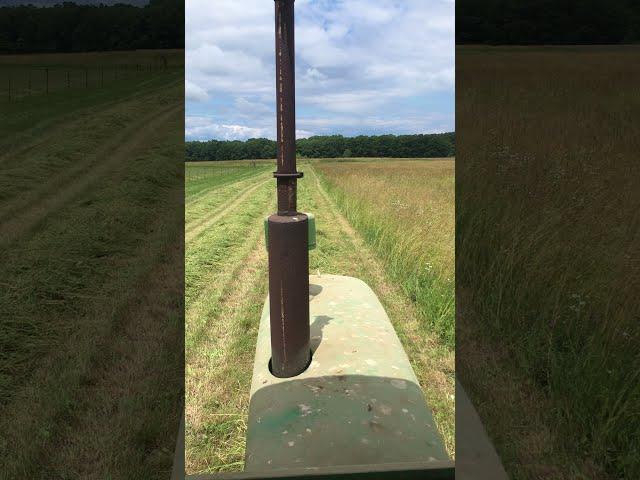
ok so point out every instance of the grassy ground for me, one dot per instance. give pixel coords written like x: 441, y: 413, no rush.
x: 410, y: 227
x: 226, y: 284
x: 90, y: 373
x: 547, y: 235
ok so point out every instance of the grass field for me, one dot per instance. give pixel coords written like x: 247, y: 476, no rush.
x: 226, y: 282
x: 91, y: 277
x: 410, y: 227
x: 547, y: 259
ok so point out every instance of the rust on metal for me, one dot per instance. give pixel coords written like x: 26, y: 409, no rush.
x: 288, y: 229
x: 289, y: 294
x: 286, y: 173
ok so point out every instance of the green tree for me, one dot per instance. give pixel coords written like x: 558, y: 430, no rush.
x: 332, y: 146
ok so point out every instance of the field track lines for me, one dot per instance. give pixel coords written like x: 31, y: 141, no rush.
x: 220, y: 191
x: 24, y: 141
x: 350, y: 233
x: 214, y: 190
x: 365, y: 256
x: 209, y: 379
x: 141, y: 339
x: 218, y: 337
x: 220, y: 212
x: 216, y: 283
x: 90, y: 341
x: 16, y: 227
x: 207, y: 300
x: 68, y: 176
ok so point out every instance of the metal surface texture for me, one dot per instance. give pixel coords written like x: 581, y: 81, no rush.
x: 358, y: 402
x: 288, y: 230
x: 311, y: 222
x: 289, y: 294
x: 286, y: 174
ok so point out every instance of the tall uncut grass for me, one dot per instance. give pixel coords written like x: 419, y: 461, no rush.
x: 547, y: 251
x: 405, y: 211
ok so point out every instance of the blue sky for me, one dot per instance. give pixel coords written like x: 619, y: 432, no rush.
x: 362, y: 67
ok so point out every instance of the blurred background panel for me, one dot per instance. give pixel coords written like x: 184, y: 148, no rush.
x: 547, y: 224
x: 92, y: 262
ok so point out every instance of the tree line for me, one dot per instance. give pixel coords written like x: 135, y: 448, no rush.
x: 528, y: 22
x: 333, y: 146
x: 68, y: 27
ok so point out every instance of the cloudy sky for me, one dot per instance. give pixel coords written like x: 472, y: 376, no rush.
x: 362, y: 67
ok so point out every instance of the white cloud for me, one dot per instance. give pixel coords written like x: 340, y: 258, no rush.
x: 356, y: 61
x: 194, y: 92
x: 303, y: 133
x: 203, y: 128
x: 395, y: 124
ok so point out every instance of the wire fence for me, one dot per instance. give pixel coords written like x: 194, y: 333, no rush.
x: 22, y: 81
x: 201, y: 172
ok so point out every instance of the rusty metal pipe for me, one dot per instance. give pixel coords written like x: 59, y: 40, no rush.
x: 286, y: 173
x: 289, y: 294
x: 288, y: 229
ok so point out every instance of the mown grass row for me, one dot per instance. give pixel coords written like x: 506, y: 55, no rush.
x: 212, y: 183
x: 405, y: 211
x: 209, y: 257
x: 198, y: 171
x: 225, y: 287
x: 33, y: 118
x: 69, y: 287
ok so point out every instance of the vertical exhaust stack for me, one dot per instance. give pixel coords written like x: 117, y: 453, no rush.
x: 288, y: 228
